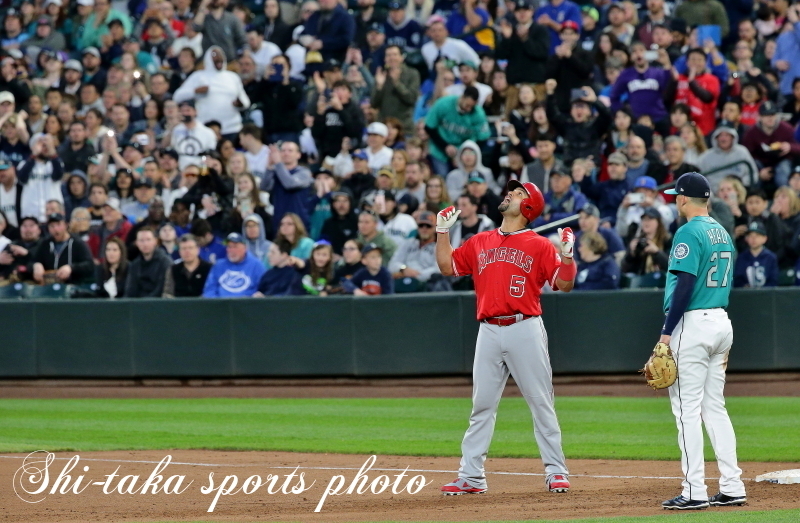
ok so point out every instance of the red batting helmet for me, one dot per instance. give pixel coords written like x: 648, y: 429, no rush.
x: 532, y: 206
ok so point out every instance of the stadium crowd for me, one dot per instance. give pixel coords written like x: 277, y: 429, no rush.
x: 226, y: 148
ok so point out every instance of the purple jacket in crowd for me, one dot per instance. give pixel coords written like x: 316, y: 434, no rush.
x: 644, y: 91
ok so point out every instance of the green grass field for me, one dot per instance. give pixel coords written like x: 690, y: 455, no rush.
x: 767, y: 429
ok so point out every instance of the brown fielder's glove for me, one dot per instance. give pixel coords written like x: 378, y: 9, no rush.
x: 660, y: 370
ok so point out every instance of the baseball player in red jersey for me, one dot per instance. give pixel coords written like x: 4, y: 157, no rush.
x: 509, y: 265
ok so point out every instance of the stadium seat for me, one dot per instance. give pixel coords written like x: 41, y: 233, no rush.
x: 55, y: 291
x: 13, y: 291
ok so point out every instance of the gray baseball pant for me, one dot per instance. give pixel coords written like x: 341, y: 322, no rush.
x: 520, y: 350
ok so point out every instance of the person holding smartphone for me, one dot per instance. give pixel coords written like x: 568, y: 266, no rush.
x: 644, y: 196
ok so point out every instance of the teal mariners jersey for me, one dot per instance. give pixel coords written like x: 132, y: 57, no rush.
x: 703, y: 248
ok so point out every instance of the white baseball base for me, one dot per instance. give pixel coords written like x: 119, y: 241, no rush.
x: 781, y: 477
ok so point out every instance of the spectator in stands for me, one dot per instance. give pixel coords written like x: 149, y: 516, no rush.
x: 581, y: 132
x: 76, y: 152
x: 348, y: 265
x: 373, y: 279
x: 220, y: 28
x: 569, y: 65
x: 469, y: 162
x: 643, y: 196
x: 79, y: 223
x: 608, y: 194
x: 525, y: 45
x: 190, y: 137
x: 639, y: 164
x: 17, y: 258
x: 488, y: 201
x: 343, y: 223
x: 451, y: 121
x: 442, y: 46
x: 76, y: 191
x: 698, y: 88
x: 10, y: 193
x: 378, y: 154
x: 554, y: 15
x: 597, y: 270
x: 756, y: 266
x: 546, y: 162
x: 561, y: 201
x: 675, y: 151
x: 413, y: 182
x: 236, y: 275
x: 62, y: 258
x: 772, y: 144
x: 255, y: 152
x: 114, y: 225
x: 112, y: 273
x: 644, y: 86
x: 41, y: 177
x: 360, y: 181
x: 147, y: 272
x: 314, y: 275
x: 369, y: 234
x: 337, y: 117
x: 17, y: 88
x: 468, y: 74
x: 144, y: 194
x: 277, y: 281
x: 254, y: 233
x: 469, y: 222
x: 287, y: 181
x: 14, y: 141
x: 218, y: 93
x: 211, y: 249
x: 647, y: 251
x: 293, y: 230
x: 726, y: 153
x: 328, y: 31
x: 281, y: 98
x: 787, y: 51
x: 756, y: 206
x: 396, y: 88
x: 187, y: 278
x: 414, y: 262
x: 589, y: 221
x: 397, y: 225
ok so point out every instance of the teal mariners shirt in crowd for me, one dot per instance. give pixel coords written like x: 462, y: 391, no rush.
x: 703, y: 248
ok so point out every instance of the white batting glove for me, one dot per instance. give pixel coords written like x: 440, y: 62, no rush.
x: 567, y: 242
x: 446, y: 219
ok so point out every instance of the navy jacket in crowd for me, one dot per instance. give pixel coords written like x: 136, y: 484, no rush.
x: 608, y: 196
x: 336, y: 33
x: 559, y: 208
x: 601, y: 274
x: 289, y: 191
x: 756, y: 271
x: 277, y: 281
x: 381, y: 283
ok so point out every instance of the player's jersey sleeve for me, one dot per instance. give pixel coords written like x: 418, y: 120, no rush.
x: 548, y: 264
x: 686, y: 255
x: 465, y: 258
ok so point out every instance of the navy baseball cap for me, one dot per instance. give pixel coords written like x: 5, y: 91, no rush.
x: 646, y: 182
x: 368, y: 248
x: 360, y: 154
x: 693, y: 185
x: 235, y: 237
x: 55, y: 217
x: 375, y: 26
x: 396, y: 5
x: 756, y: 227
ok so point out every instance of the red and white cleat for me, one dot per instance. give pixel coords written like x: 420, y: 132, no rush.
x: 558, y: 483
x: 460, y: 486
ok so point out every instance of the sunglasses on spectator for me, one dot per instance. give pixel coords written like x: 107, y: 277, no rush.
x: 425, y: 225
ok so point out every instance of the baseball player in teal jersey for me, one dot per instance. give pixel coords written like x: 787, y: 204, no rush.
x: 700, y: 335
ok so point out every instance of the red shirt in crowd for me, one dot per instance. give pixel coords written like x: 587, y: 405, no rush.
x: 509, y: 271
x: 703, y: 113
x: 750, y: 114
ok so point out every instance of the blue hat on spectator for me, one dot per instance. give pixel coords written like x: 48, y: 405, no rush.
x: 476, y: 179
x: 4, y: 164
x: 360, y: 154
x: 693, y: 185
x: 376, y: 26
x: 368, y: 248
x: 645, y: 182
x: 396, y: 5
x: 235, y: 237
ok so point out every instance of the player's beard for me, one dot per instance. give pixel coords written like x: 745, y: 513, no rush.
x: 503, y: 207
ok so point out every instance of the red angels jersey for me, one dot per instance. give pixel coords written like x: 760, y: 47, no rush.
x: 509, y: 271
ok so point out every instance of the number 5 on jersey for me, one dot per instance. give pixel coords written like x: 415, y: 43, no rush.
x: 517, y: 288
x: 711, y: 280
